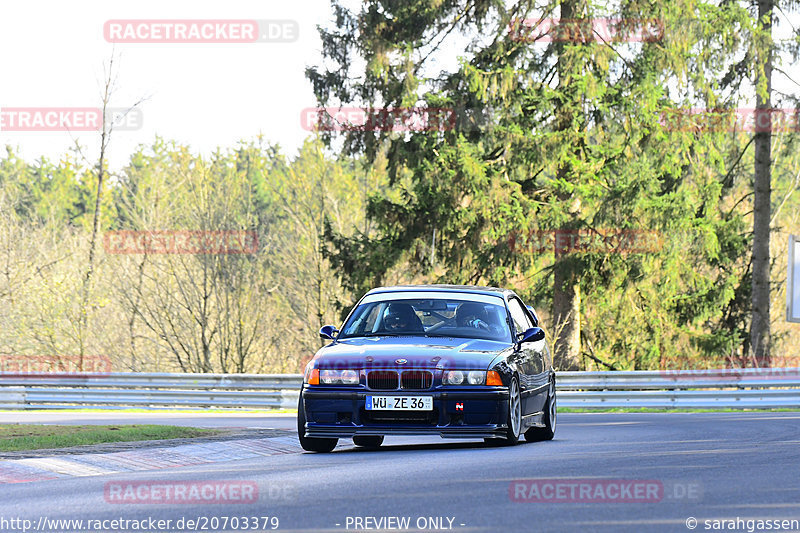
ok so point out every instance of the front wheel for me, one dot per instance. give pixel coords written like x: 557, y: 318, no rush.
x: 311, y: 444
x: 514, y: 413
x: 550, y: 413
x: 514, y: 421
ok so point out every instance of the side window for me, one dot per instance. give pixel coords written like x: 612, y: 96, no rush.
x: 364, y: 320
x: 372, y: 318
x: 519, y: 316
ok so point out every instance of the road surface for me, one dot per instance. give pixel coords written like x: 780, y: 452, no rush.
x: 603, y: 472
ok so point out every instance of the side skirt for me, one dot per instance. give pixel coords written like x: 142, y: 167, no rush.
x: 533, y: 420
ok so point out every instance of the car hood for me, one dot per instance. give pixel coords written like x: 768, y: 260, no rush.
x: 409, y: 353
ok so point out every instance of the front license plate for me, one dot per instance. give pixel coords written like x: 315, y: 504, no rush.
x: 399, y: 403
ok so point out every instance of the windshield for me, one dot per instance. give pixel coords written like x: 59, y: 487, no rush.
x: 432, y: 317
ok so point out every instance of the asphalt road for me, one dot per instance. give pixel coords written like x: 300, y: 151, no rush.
x: 669, y: 467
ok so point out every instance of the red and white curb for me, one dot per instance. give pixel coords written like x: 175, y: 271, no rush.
x: 98, y: 464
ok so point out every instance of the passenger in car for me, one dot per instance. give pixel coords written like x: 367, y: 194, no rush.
x: 401, y: 318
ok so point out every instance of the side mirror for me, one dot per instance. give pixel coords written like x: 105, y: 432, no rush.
x: 532, y: 335
x: 328, y: 332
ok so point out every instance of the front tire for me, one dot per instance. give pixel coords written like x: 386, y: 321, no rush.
x: 514, y: 420
x: 514, y: 413
x: 368, y: 441
x: 550, y: 414
x: 311, y: 444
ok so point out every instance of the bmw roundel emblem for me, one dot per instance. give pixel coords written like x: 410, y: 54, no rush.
x: 401, y: 361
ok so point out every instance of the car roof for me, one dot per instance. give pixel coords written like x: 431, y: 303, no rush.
x: 473, y: 289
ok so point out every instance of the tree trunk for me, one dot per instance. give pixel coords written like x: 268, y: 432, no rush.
x: 87, y: 280
x: 567, y: 316
x: 566, y: 284
x: 759, y: 325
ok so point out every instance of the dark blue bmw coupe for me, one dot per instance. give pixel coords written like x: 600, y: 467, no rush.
x: 455, y: 361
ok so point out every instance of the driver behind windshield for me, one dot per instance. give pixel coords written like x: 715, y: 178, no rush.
x: 401, y: 318
x: 472, y: 315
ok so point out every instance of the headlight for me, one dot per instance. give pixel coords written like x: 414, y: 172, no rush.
x: 453, y: 377
x: 349, y: 377
x: 471, y: 377
x: 476, y: 377
x: 345, y: 377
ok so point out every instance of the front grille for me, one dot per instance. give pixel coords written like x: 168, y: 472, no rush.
x: 382, y: 380
x: 416, y: 379
x: 408, y: 380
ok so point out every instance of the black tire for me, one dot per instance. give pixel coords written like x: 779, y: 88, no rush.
x: 311, y: 444
x: 368, y: 441
x: 514, y: 413
x: 550, y: 415
x: 514, y: 421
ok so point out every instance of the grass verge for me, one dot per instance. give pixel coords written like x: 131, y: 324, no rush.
x: 19, y: 437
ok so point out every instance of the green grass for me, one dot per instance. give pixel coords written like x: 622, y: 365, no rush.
x: 18, y: 437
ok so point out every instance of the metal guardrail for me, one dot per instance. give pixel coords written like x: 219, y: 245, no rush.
x: 150, y: 391
x: 748, y: 388
x: 727, y: 388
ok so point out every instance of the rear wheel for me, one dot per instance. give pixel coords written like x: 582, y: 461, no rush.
x: 550, y: 413
x: 368, y: 441
x: 311, y: 444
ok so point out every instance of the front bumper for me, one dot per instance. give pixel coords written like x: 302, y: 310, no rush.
x: 456, y: 413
